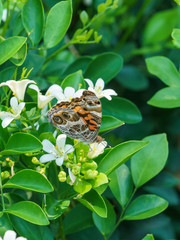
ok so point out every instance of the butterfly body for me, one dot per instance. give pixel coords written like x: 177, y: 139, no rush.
x: 78, y: 119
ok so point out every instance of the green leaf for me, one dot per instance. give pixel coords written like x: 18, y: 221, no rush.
x: 29, y: 230
x: 93, y: 201
x: 5, y: 224
x: 109, y: 122
x: 119, y: 155
x: 1, y: 10
x: 7, y: 73
x: 105, y: 225
x: 148, y: 237
x: 29, y: 180
x: 145, y: 206
x: 55, y: 208
x: 160, y: 26
x: 166, y: 98
x: 9, y: 47
x: 20, y: 56
x: 57, y: 23
x: 106, y: 66
x: 121, y: 109
x: 82, y: 186
x: 74, y: 80
x: 132, y: 78
x: 176, y: 37
x: 33, y: 20
x: 28, y: 211
x: 148, y: 162
x: 164, y: 69
x: 177, y: 1
x: 121, y: 184
x: 84, y: 219
x: 20, y: 143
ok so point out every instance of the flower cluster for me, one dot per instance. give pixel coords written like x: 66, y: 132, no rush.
x: 77, y: 159
x: 11, y: 235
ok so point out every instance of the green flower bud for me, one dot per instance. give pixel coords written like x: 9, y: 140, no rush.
x: 76, y: 169
x: 4, y: 164
x: 84, y: 17
x: 35, y: 160
x: 5, y: 174
x: 42, y: 170
x: 11, y: 163
x: 62, y: 176
x: 90, y: 165
x: 90, y: 174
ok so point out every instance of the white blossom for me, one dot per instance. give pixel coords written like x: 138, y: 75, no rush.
x: 98, y: 89
x: 4, y: 15
x: 96, y: 149
x: 17, y: 87
x: 58, y: 152
x: 11, y: 235
x: 71, y: 175
x: 8, y: 117
x: 54, y: 91
x: 69, y: 93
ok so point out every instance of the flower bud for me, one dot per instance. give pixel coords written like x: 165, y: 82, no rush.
x: 4, y: 164
x: 35, y: 160
x: 76, y: 169
x: 11, y: 163
x: 62, y: 176
x: 42, y: 171
x: 90, y: 174
x: 5, y: 174
x: 90, y: 165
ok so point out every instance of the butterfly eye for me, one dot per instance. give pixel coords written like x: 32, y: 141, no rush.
x: 66, y: 115
x: 57, y: 119
x: 90, y: 103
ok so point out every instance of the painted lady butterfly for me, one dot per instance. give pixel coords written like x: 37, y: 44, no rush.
x: 78, y: 119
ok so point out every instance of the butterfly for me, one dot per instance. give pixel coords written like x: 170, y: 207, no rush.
x: 79, y: 118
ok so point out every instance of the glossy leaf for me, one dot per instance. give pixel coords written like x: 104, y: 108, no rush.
x: 164, y: 69
x: 148, y: 237
x: 93, y: 201
x: 74, y: 80
x: 109, y: 122
x: 121, y: 109
x: 20, y: 56
x: 160, y: 26
x: 30, y: 230
x: 57, y: 23
x: 33, y: 20
x: 145, y: 206
x: 148, y: 162
x: 132, y: 78
x: 81, y: 186
x: 20, y: 143
x: 5, y: 224
x: 83, y: 221
x: 29, y: 180
x: 9, y: 47
x: 55, y: 208
x: 105, y: 66
x: 105, y: 225
x: 1, y: 10
x: 166, y: 98
x: 119, y: 155
x: 176, y: 37
x: 28, y: 211
x: 121, y: 184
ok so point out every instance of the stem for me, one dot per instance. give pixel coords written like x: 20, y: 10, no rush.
x: 29, y: 121
x: 122, y: 213
x: 61, y: 234
x: 2, y: 198
x: 8, y: 18
x: 131, y: 28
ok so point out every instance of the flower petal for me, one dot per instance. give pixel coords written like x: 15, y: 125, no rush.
x: 78, y: 93
x: 69, y: 92
x: 71, y: 175
x: 60, y: 160
x: 6, y: 121
x: 60, y: 141
x: 14, y: 103
x: 47, y: 146
x: 99, y: 84
x: 54, y: 90
x: 43, y: 100
x: 21, y: 106
x: 68, y: 148
x: 21, y: 238
x: 89, y: 82
x: 46, y: 158
x: 10, y: 235
x: 34, y: 87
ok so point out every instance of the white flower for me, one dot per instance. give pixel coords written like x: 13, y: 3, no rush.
x: 87, y: 2
x: 98, y: 89
x: 4, y: 15
x: 54, y: 91
x: 69, y: 93
x: 11, y: 235
x: 57, y: 152
x: 8, y: 117
x: 17, y: 87
x: 71, y: 175
x: 96, y: 149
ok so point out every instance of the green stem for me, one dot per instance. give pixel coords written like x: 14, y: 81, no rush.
x: 61, y: 234
x: 8, y: 18
x: 122, y: 214
x: 131, y: 27
x: 29, y: 121
x: 2, y: 198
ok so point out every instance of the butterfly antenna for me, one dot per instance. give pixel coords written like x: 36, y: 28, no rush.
x: 112, y: 130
